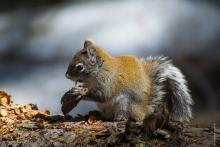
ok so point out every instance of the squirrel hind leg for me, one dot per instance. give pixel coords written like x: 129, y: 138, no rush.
x: 158, y: 119
x: 115, y: 109
x: 107, y: 111
x: 121, y: 104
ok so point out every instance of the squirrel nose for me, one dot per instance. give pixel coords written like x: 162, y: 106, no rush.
x: 67, y: 76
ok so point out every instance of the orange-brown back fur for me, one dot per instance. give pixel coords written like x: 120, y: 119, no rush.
x: 131, y: 74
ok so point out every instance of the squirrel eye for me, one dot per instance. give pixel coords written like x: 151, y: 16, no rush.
x: 79, y: 67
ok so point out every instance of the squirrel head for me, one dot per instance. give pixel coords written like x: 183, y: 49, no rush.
x: 85, y: 63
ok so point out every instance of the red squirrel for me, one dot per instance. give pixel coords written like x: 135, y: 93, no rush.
x: 128, y: 87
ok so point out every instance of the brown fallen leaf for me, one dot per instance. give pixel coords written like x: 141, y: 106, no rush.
x: 11, y: 116
x: 17, y: 111
x: 7, y: 120
x: 5, y: 99
x: 31, y: 114
x: 3, y: 112
x: 21, y: 116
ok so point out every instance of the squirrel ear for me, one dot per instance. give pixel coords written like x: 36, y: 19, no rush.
x: 91, y: 52
x: 88, y: 42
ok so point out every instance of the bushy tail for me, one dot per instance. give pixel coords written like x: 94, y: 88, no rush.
x: 169, y: 85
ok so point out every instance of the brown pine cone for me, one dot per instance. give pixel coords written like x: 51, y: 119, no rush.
x: 71, y: 98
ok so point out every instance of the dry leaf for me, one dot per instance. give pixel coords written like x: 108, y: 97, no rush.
x: 3, y: 112
x: 5, y: 99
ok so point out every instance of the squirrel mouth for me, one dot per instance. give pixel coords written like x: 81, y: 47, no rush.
x: 78, y: 83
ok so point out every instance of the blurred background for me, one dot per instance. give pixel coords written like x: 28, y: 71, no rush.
x: 39, y: 37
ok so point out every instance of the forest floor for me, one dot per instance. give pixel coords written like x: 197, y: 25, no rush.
x: 25, y: 125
